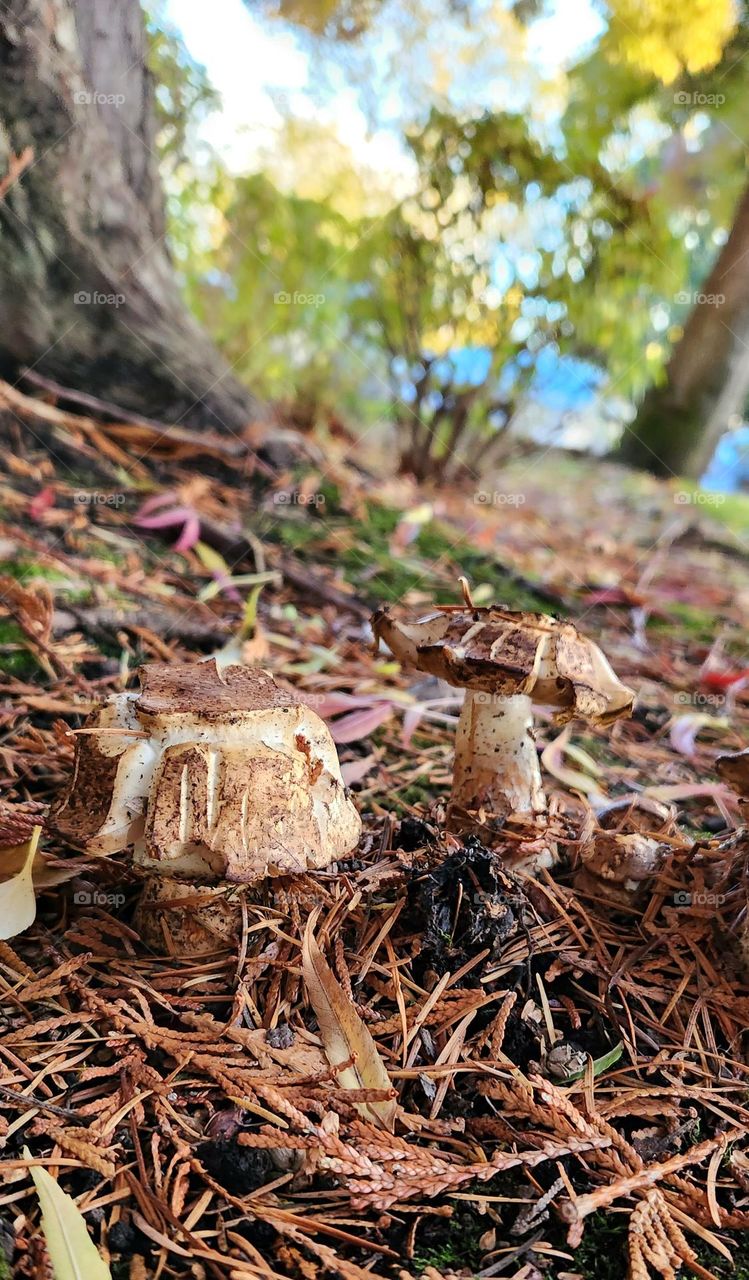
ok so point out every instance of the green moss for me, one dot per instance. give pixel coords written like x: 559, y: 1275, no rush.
x: 15, y: 657
x: 420, y: 791
x: 438, y: 543
x: 715, y: 1262
x: 432, y: 563
x: 26, y: 571
x: 454, y: 1245
x: 728, y: 509
x: 602, y: 1255
x: 688, y: 621
x: 293, y: 534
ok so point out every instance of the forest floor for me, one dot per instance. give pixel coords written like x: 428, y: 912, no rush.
x: 187, y: 1103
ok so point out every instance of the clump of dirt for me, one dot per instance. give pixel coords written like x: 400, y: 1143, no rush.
x: 239, y: 1169
x: 463, y: 905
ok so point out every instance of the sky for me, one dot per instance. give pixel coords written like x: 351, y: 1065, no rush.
x: 261, y: 69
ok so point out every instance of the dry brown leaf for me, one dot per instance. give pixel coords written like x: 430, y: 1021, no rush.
x: 344, y: 1035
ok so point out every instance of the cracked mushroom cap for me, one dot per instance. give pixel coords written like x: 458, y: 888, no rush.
x: 212, y: 775
x: 497, y: 651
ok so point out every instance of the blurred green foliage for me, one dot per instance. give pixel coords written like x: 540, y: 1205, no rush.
x: 579, y: 231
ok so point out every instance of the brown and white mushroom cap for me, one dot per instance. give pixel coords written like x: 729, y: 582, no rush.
x: 505, y: 653
x: 214, y: 775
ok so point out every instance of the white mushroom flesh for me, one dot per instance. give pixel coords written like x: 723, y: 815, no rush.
x: 237, y: 798
x: 496, y: 762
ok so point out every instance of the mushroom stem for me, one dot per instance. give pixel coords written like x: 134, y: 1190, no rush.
x: 496, y: 763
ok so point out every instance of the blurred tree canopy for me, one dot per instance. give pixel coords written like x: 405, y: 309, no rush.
x: 574, y: 220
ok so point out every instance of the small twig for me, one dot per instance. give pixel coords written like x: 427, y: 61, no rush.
x: 575, y: 1211
x: 24, y: 1100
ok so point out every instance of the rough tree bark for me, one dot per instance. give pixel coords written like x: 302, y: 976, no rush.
x: 88, y: 295
x: 707, y: 379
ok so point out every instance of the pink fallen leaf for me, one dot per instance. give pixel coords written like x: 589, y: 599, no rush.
x: 42, y: 502
x: 411, y: 721
x: 359, y: 724
x: 179, y: 515
x: 189, y: 536
x: 329, y: 704
x: 165, y: 519
x: 354, y: 770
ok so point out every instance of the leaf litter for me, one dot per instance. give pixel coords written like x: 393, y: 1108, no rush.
x: 415, y: 1062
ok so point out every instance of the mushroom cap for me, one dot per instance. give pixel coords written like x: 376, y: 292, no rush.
x: 101, y: 809
x: 505, y: 653
x: 171, y: 692
x: 212, y: 775
x: 624, y: 861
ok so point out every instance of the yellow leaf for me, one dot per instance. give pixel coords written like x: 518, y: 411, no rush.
x: 344, y: 1035
x: 71, y: 1250
x: 17, y: 898
x: 211, y: 559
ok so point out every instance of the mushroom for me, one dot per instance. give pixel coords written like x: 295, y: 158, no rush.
x: 617, y: 866
x: 733, y: 767
x: 213, y: 777
x: 506, y: 662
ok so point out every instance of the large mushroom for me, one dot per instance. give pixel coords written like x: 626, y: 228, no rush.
x: 506, y: 662
x: 215, y: 778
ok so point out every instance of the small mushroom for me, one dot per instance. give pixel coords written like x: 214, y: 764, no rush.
x: 506, y: 662
x: 617, y: 865
x: 212, y: 777
x: 733, y: 767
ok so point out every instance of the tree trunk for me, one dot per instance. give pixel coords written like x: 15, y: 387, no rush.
x: 88, y: 294
x: 707, y: 378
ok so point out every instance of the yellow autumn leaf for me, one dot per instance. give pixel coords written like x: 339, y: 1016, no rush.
x: 17, y: 897
x: 71, y: 1250
x: 344, y: 1035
